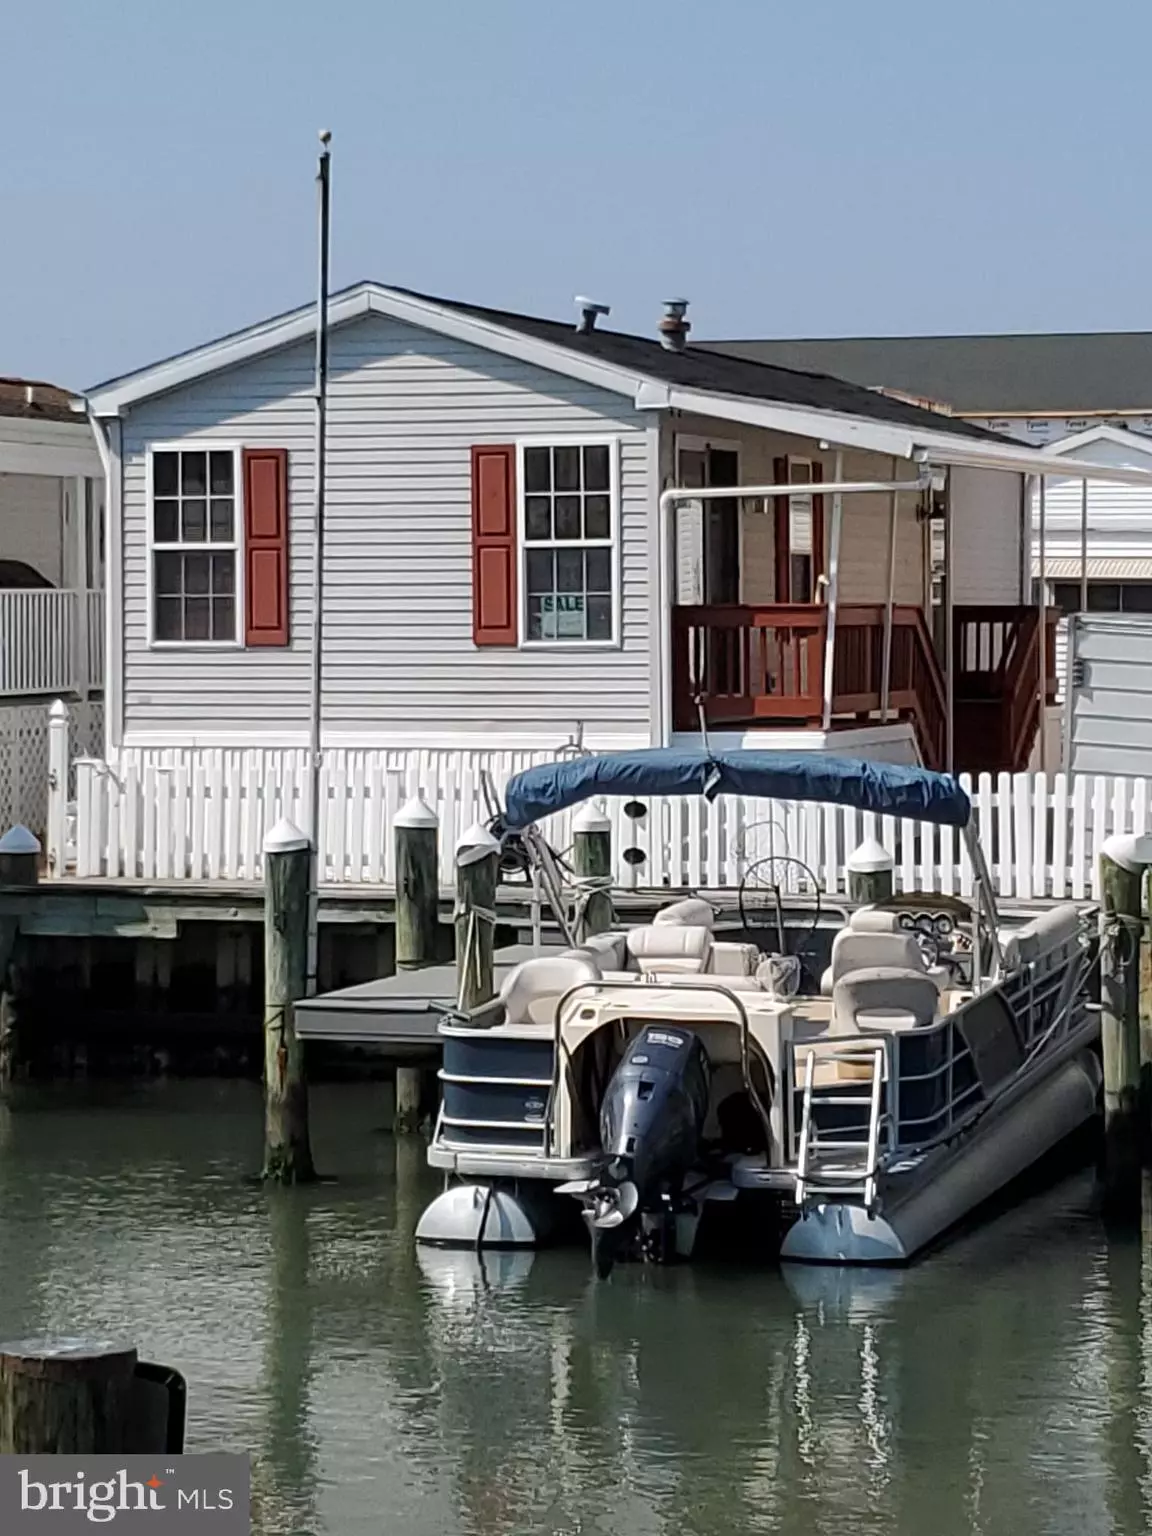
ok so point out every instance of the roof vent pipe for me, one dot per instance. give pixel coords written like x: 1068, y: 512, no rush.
x: 589, y: 309
x: 673, y: 327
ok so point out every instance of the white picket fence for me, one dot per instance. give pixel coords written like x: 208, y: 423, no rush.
x: 203, y: 815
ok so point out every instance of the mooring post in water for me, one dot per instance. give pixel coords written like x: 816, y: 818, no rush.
x: 409, y: 1097
x: 871, y: 873
x: 287, y: 1146
x: 1124, y: 859
x: 65, y: 1397
x: 9, y: 989
x: 417, y: 884
x: 477, y: 862
x: 592, y: 861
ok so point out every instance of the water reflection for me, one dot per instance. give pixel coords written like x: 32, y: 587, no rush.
x: 1005, y: 1386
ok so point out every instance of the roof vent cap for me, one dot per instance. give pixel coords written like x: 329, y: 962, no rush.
x: 589, y: 310
x: 674, y: 327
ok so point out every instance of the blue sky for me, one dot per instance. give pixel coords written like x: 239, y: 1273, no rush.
x: 794, y: 167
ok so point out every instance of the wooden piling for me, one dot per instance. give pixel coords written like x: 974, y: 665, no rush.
x: 417, y: 884
x: 1122, y: 865
x: 409, y: 1095
x: 592, y: 860
x: 65, y: 1397
x: 19, y: 857
x: 871, y: 873
x: 477, y: 860
x: 9, y: 932
x: 287, y: 1145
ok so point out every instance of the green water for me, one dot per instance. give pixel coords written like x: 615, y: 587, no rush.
x: 1005, y: 1386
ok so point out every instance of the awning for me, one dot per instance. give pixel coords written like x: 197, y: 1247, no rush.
x: 1100, y: 568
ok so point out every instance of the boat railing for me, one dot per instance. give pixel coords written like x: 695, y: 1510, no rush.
x: 934, y: 1087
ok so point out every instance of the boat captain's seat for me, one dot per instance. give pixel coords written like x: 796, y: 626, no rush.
x: 855, y: 951
x: 530, y: 993
x: 883, y: 997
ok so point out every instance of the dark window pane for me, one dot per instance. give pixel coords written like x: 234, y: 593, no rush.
x: 566, y: 463
x: 165, y: 474
x: 537, y: 469
x: 537, y: 517
x: 535, y: 618
x: 221, y: 520
x: 196, y: 569
x: 540, y: 568
x: 596, y: 468
x: 596, y: 517
x: 195, y: 522
x: 1137, y: 597
x: 223, y: 574
x: 169, y: 612
x: 599, y: 568
x: 1103, y: 597
x: 166, y: 522
x: 599, y: 618
x: 569, y: 570
x: 223, y: 619
x: 221, y: 474
x: 567, y: 517
x: 169, y: 574
x: 1066, y: 596
x: 194, y: 467
x: 196, y: 618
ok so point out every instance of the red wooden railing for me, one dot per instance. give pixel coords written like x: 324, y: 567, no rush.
x: 997, y: 682
x: 746, y: 665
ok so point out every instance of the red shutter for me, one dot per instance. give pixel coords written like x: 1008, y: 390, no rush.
x: 494, y: 545
x: 783, y: 546
x: 817, y: 532
x: 265, y: 546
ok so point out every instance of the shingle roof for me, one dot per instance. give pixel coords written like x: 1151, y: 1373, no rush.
x: 1057, y: 374
x: 36, y: 401
x: 705, y: 369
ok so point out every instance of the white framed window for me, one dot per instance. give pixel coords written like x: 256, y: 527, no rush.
x: 195, y: 513
x: 569, y: 518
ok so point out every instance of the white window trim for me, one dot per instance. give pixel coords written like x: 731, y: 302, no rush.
x: 196, y: 445
x: 613, y: 543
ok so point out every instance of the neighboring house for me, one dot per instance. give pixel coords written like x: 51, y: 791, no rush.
x: 51, y: 544
x: 1066, y: 393
x: 51, y: 581
x: 498, y: 574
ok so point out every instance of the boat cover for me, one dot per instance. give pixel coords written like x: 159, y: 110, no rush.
x: 886, y: 788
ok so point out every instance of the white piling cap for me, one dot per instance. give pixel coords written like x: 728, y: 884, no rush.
x: 1130, y: 850
x: 284, y: 838
x: 871, y: 858
x: 58, y: 710
x: 416, y: 813
x: 18, y: 839
x: 476, y: 844
x: 591, y: 818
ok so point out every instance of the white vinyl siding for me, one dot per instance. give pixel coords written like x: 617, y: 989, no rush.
x: 986, y: 536
x: 405, y: 408
x: 30, y: 524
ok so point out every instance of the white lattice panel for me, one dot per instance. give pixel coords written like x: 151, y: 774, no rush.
x: 24, y: 757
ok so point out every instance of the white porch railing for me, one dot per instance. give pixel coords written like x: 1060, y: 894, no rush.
x: 50, y: 642
x: 203, y: 815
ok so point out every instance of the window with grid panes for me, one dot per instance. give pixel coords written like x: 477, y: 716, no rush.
x: 195, y: 545
x: 568, y: 551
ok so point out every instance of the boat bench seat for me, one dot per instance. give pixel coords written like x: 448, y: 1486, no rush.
x: 1044, y: 938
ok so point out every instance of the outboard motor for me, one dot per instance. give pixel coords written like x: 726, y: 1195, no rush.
x: 651, y: 1119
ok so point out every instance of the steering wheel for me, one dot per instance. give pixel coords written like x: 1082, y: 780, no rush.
x: 929, y: 932
x: 761, y: 875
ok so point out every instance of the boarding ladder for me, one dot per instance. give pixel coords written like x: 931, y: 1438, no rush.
x: 830, y: 1169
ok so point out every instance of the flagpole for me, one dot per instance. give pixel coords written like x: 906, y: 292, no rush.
x: 315, y: 831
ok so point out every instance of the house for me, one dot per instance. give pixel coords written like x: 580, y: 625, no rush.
x: 51, y: 585
x: 502, y: 570
x: 51, y: 543
x: 1087, y: 394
